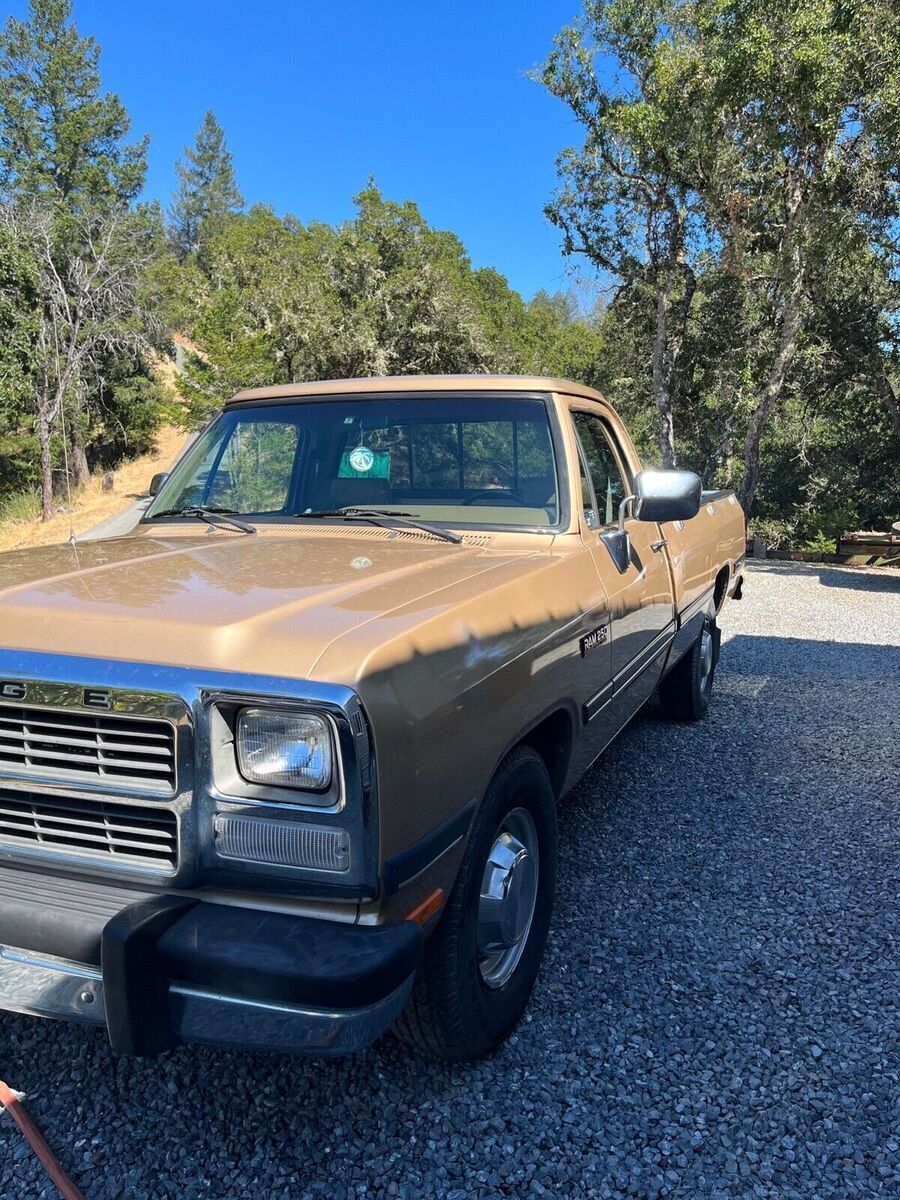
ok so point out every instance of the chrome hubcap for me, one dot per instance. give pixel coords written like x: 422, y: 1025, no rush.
x: 508, y: 897
x: 706, y: 658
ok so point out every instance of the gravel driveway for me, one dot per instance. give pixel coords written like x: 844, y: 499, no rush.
x: 719, y: 1013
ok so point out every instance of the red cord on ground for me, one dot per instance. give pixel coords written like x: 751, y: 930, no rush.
x: 64, y: 1184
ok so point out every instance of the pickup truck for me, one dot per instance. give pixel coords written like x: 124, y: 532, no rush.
x: 280, y: 768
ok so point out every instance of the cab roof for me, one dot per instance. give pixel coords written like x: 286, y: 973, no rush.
x: 414, y: 383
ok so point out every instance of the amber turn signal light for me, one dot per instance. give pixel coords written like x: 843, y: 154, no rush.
x: 428, y: 907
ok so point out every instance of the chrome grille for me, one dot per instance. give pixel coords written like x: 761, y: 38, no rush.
x: 123, y: 751
x: 132, y: 835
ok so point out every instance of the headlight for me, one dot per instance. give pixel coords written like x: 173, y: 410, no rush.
x: 284, y: 749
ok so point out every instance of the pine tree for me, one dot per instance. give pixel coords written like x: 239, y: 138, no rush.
x: 61, y: 139
x: 207, y: 192
x: 66, y: 171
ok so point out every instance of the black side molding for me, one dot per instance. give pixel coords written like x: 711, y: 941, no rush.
x: 596, y: 703
x: 696, y: 606
x: 408, y: 863
x: 134, y: 986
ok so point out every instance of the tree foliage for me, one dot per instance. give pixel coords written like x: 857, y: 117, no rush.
x: 382, y: 294
x: 86, y: 310
x: 207, y: 193
x: 61, y: 139
x: 626, y: 200
x: 68, y: 177
x: 19, y: 291
x: 738, y: 181
x: 734, y: 183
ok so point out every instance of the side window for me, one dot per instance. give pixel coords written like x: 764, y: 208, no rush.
x: 254, y: 471
x: 587, y: 499
x: 609, y: 486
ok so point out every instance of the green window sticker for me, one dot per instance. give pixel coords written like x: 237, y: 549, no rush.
x: 363, y: 463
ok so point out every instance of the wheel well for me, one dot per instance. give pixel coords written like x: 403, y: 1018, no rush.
x: 721, y: 586
x: 552, y: 739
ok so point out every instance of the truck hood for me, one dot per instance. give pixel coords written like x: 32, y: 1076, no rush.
x: 265, y: 604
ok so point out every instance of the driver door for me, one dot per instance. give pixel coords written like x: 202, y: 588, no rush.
x: 641, y: 610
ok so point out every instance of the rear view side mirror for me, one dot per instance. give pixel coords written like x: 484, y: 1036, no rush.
x: 157, y: 482
x: 666, y: 495
x: 658, y: 496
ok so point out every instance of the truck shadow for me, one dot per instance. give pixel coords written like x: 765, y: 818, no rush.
x: 881, y: 579
x: 745, y: 656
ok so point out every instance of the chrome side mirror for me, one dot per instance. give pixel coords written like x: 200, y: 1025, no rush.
x: 156, y: 483
x: 658, y: 496
x: 666, y: 495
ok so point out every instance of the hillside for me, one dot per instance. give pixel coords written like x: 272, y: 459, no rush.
x: 94, y: 505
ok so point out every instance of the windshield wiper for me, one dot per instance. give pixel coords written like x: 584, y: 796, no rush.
x: 393, y: 517
x: 218, y: 518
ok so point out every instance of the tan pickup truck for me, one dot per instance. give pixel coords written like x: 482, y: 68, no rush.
x: 281, y: 767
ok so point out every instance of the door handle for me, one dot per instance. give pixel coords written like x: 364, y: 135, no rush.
x: 658, y: 545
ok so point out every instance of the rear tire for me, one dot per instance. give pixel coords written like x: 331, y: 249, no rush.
x: 686, y: 691
x: 482, y: 960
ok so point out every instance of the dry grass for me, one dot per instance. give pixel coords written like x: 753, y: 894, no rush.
x: 93, y: 505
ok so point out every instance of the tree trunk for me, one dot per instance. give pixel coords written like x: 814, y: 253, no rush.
x: 78, y: 462
x: 673, y: 309
x: 890, y: 397
x: 723, y: 454
x: 678, y: 320
x: 791, y: 291
x: 770, y: 394
x: 662, y: 395
x: 44, y: 432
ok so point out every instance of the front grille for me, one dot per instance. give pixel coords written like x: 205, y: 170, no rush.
x: 132, y: 835
x: 110, y: 749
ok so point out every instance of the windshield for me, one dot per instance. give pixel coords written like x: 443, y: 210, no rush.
x: 459, y: 460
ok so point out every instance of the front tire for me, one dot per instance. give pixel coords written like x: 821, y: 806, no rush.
x: 686, y: 691
x: 482, y: 960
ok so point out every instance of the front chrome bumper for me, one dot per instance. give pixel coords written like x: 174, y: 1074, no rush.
x: 45, y: 986
x: 158, y: 969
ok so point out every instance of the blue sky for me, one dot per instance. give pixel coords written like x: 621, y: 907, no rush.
x: 430, y: 97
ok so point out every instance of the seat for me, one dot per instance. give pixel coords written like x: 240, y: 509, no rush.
x: 360, y: 493
x: 538, y: 490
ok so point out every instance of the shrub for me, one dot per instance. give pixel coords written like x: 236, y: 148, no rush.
x: 821, y: 543
x: 777, y: 534
x: 21, y: 506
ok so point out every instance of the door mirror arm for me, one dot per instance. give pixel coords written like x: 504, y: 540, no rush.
x: 624, y: 505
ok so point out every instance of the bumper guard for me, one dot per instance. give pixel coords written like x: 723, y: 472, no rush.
x: 171, y: 969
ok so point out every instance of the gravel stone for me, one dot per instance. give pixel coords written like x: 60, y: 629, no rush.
x: 719, y: 1012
